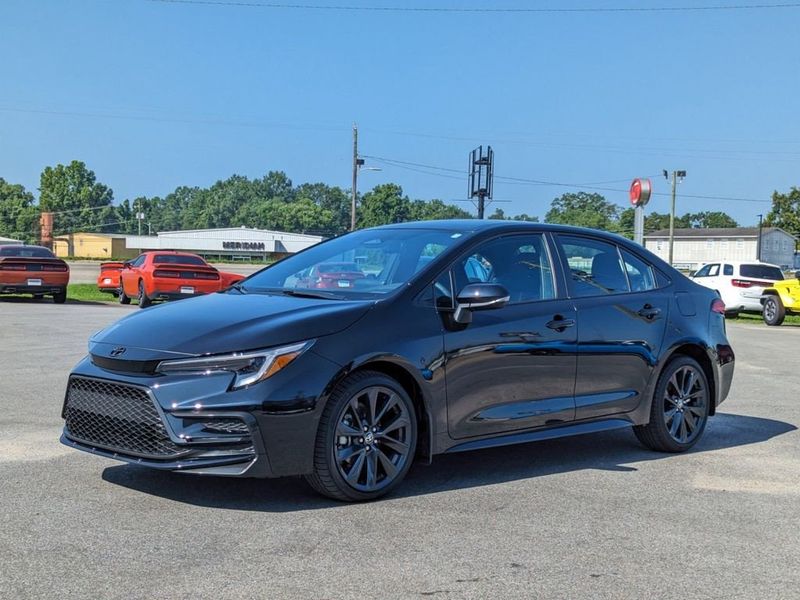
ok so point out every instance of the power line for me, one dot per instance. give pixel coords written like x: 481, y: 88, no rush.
x: 497, y: 10
x: 543, y: 182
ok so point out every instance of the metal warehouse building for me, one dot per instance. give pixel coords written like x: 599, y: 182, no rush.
x: 237, y: 243
x: 695, y: 247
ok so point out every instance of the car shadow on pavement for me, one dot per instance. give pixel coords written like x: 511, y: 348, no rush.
x: 610, y: 451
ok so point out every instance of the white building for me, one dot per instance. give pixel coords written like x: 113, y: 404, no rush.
x: 695, y: 247
x: 4, y: 241
x: 234, y: 242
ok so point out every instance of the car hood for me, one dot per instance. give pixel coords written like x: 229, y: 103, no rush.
x: 225, y: 322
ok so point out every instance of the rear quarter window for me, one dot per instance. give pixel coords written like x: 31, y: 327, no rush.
x: 761, y: 272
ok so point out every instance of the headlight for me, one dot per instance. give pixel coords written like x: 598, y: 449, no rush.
x: 248, y: 367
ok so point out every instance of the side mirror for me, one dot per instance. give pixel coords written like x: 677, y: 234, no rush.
x: 797, y: 274
x: 479, y: 296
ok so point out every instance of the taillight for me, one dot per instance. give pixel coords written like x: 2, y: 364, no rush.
x: 206, y: 276
x: 60, y: 268
x: 718, y: 306
x: 12, y: 267
x: 746, y: 283
x: 172, y: 274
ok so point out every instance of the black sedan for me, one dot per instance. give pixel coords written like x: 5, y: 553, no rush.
x: 456, y: 335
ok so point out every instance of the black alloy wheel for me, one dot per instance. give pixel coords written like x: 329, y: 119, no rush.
x: 367, y: 438
x: 680, y: 408
x: 144, y: 301
x: 774, y: 311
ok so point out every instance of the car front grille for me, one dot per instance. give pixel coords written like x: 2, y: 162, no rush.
x: 117, y: 417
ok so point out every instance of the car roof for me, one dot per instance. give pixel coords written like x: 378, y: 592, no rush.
x: 478, y: 225
x: 739, y: 262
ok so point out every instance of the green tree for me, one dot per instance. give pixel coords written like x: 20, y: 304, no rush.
x: 18, y: 215
x: 384, y: 204
x: 500, y: 215
x: 435, y: 209
x: 710, y: 219
x: 78, y: 199
x: 785, y: 211
x: 584, y: 210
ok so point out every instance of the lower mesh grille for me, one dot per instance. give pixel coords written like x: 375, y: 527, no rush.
x: 116, y: 416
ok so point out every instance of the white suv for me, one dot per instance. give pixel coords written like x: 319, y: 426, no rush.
x: 740, y: 284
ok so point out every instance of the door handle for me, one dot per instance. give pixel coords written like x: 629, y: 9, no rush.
x: 649, y: 312
x: 559, y: 323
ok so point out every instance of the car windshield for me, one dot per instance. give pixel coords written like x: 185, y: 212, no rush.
x: 177, y: 259
x: 26, y: 251
x: 361, y: 265
x: 761, y: 272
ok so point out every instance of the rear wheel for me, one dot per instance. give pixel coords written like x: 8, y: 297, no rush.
x: 366, y: 440
x: 122, y: 296
x: 680, y: 407
x: 144, y: 300
x: 60, y: 297
x: 774, y: 311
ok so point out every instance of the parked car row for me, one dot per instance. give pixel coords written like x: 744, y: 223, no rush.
x: 162, y: 275
x: 752, y: 287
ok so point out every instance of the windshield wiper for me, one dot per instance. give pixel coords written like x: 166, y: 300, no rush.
x: 238, y: 287
x: 310, y: 294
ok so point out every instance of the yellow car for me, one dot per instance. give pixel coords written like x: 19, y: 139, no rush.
x: 781, y: 299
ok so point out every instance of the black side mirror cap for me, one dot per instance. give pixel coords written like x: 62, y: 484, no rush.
x: 479, y: 296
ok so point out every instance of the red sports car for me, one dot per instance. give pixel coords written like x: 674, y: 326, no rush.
x: 331, y: 275
x: 33, y: 270
x: 166, y: 275
x: 108, y: 280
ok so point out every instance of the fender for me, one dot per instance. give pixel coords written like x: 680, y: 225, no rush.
x: 397, y: 365
x: 666, y: 357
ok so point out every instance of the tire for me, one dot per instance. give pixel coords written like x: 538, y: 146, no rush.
x: 60, y: 297
x: 679, y: 409
x: 774, y: 311
x: 354, y: 465
x: 38, y: 296
x: 144, y: 301
x: 122, y: 296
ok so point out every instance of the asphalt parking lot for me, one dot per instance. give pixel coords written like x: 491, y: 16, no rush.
x: 591, y: 517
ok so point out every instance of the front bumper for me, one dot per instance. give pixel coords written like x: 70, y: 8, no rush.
x: 280, y: 420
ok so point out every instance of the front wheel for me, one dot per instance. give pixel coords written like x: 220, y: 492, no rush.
x: 680, y: 407
x: 366, y: 440
x: 774, y: 311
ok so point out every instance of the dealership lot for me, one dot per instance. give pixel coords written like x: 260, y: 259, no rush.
x: 595, y: 516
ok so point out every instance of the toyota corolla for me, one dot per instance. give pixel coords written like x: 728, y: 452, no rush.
x: 460, y: 335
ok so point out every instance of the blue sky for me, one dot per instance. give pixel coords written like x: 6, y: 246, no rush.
x: 152, y: 95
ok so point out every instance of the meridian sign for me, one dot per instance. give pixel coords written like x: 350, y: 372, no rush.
x: 640, y: 192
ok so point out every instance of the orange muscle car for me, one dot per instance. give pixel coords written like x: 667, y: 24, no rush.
x: 33, y: 270
x: 168, y: 275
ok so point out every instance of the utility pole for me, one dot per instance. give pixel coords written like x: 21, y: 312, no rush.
x: 356, y: 163
x: 758, y: 246
x: 675, y: 176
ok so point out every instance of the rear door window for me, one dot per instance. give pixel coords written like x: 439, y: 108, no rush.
x: 727, y: 270
x: 761, y: 272
x: 640, y: 274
